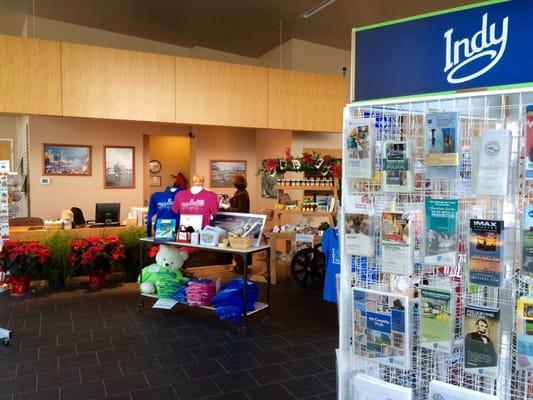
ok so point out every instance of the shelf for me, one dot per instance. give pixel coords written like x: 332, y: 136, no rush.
x: 298, y: 187
x: 306, y: 213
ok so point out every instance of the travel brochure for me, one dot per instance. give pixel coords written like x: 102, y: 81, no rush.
x: 359, y: 235
x: 481, y: 341
x: 441, y: 232
x: 436, y: 318
x: 527, y: 242
x: 529, y: 143
x: 359, y: 134
x: 165, y: 230
x: 442, y: 145
x: 397, y: 167
x: 492, y: 174
x: 369, y: 388
x: 381, y: 330
x: 396, y: 248
x: 485, y: 259
x: 524, y: 333
x: 445, y: 391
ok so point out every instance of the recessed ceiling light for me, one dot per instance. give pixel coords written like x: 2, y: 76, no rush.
x: 316, y: 8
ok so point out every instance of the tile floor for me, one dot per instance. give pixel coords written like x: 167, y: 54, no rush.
x: 93, y: 345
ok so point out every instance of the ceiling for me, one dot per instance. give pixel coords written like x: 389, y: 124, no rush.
x: 244, y: 27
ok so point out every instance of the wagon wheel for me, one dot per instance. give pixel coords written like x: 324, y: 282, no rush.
x: 307, y: 268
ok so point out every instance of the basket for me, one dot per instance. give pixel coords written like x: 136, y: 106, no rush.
x: 240, y: 242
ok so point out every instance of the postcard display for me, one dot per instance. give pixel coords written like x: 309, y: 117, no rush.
x: 437, y: 289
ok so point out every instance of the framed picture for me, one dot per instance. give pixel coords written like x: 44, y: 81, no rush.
x: 267, y: 186
x: 119, y: 167
x: 221, y: 172
x: 67, y: 159
x: 155, y: 180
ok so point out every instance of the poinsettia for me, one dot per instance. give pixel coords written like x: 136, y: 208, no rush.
x: 96, y: 253
x: 23, y: 258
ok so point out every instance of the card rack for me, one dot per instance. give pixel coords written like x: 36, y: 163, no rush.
x: 405, y: 121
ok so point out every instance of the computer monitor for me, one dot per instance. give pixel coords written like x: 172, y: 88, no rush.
x: 107, y: 213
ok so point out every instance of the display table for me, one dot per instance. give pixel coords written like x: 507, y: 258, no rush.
x: 245, y: 254
x: 27, y: 234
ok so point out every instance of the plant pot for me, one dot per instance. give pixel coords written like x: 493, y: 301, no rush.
x: 57, y: 283
x: 97, y: 279
x: 20, y: 285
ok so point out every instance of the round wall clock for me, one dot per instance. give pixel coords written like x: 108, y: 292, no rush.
x: 155, y: 166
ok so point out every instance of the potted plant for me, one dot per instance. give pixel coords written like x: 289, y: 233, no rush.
x: 21, y: 261
x: 130, y: 239
x: 58, y: 267
x: 96, y: 255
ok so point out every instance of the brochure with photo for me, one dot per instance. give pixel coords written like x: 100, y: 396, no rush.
x: 359, y: 235
x: 165, y: 230
x: 485, y: 258
x: 442, y: 145
x: 493, y: 163
x: 397, y: 175
x: 524, y: 333
x: 481, y: 340
x: 529, y: 143
x: 369, y: 388
x: 441, y: 232
x: 436, y: 318
x: 303, y: 241
x: 527, y: 242
x: 381, y: 330
x: 445, y: 391
x: 396, y: 243
x: 359, y: 147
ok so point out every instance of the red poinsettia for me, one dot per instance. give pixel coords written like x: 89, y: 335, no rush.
x: 307, y: 159
x: 96, y: 253
x: 23, y: 258
x: 152, y: 252
x: 288, y: 155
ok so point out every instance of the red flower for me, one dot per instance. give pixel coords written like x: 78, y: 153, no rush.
x: 307, y: 158
x: 152, y: 252
x: 328, y: 160
x: 336, y: 171
x: 288, y: 155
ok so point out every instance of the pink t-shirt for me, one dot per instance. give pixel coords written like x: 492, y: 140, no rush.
x: 204, y: 203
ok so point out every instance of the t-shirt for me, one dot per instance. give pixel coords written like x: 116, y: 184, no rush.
x: 161, y: 206
x: 330, y: 248
x: 204, y: 203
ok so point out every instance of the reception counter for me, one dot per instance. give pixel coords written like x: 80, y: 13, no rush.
x: 26, y: 233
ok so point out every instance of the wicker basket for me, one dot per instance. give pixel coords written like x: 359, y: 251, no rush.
x: 240, y: 242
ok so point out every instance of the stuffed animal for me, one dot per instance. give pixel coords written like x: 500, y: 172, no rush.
x: 164, y: 276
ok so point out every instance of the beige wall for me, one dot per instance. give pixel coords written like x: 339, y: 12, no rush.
x: 301, y: 140
x: 8, y: 131
x: 63, y: 192
x: 173, y: 152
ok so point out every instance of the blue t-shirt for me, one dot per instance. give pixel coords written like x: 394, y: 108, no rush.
x: 330, y: 248
x: 161, y: 206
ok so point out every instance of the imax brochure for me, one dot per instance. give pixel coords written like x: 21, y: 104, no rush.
x: 436, y: 318
x: 527, y: 242
x: 529, y: 143
x: 524, y: 333
x: 493, y: 163
x: 165, y: 230
x: 396, y: 248
x: 485, y: 258
x: 359, y: 137
x: 381, y: 327
x: 359, y: 235
x: 397, y: 166
x: 481, y: 340
x: 441, y: 232
x: 445, y: 391
x: 369, y: 388
x: 442, y: 145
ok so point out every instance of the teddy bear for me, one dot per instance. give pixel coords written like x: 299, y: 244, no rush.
x: 164, y: 276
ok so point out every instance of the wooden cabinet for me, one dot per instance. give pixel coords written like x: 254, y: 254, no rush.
x: 30, y: 76
x: 305, y: 101
x: 117, y: 84
x: 216, y: 93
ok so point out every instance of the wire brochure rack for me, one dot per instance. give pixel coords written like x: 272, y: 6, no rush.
x: 382, y: 304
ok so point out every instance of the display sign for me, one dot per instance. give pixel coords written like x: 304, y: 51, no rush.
x: 478, y: 46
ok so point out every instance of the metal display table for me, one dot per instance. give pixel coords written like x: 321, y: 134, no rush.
x: 245, y: 254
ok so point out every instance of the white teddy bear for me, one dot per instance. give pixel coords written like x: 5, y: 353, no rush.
x: 167, y: 267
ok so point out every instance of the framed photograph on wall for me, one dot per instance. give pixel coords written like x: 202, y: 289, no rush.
x: 221, y: 172
x: 155, y: 180
x: 67, y: 159
x: 119, y: 167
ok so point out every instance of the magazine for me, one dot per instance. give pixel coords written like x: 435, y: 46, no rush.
x: 165, y: 230
x: 445, y: 391
x: 485, y: 259
x: 527, y: 242
x: 381, y: 328
x: 524, y: 333
x: 396, y: 249
x: 436, y: 318
x: 441, y: 232
x: 397, y: 167
x: 369, y: 388
x: 482, y: 340
x: 442, y: 145
x: 493, y: 163
x: 529, y: 143
x: 359, y: 137
x: 359, y: 235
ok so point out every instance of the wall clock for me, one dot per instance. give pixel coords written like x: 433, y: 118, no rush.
x: 155, y: 166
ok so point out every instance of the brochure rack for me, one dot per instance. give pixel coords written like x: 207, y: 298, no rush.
x: 406, y: 121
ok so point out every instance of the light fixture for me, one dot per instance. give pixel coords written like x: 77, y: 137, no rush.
x: 317, y: 7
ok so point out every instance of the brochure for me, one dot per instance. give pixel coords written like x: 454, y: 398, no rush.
x: 493, y: 163
x: 527, y: 242
x: 529, y: 143
x: 381, y: 330
x: 442, y: 145
x: 396, y: 249
x: 359, y: 147
x: 369, y: 388
x: 485, y: 259
x: 482, y: 340
x: 165, y: 230
x: 436, y: 318
x: 441, y: 232
x: 303, y: 241
x: 445, y: 391
x: 524, y: 333
x: 397, y: 167
x: 359, y: 235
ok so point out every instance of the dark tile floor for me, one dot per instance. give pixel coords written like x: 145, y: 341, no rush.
x: 94, y: 345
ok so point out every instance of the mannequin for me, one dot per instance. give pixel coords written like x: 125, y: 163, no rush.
x: 196, y: 201
x: 160, y: 205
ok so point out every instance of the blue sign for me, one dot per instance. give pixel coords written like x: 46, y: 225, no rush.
x: 485, y: 45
